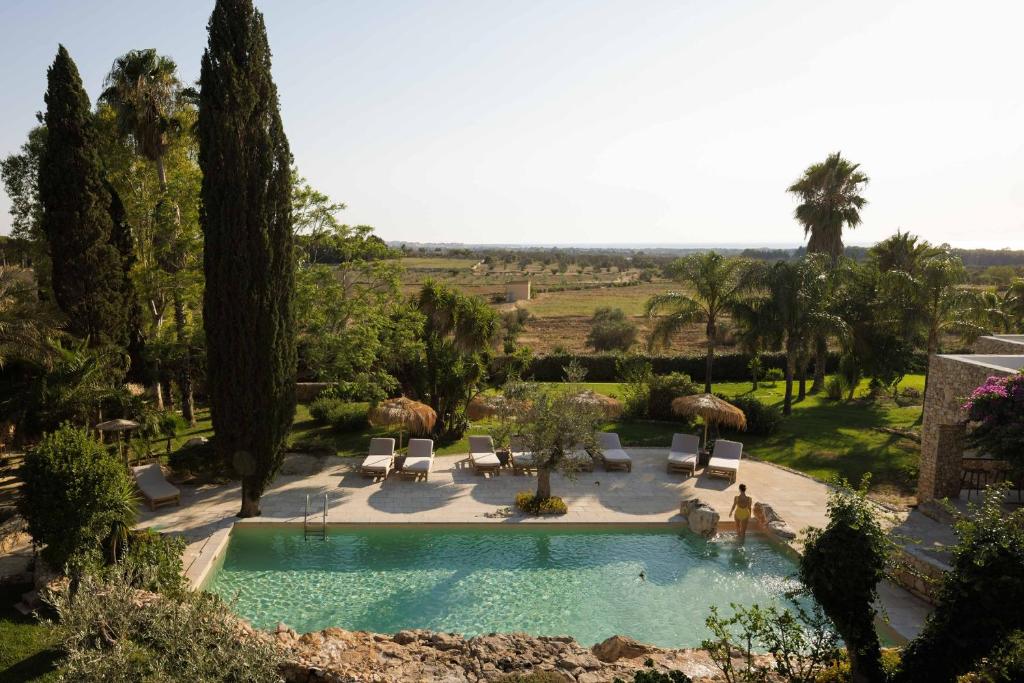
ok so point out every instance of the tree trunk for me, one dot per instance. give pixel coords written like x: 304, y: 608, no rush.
x: 933, y: 348
x: 188, y: 411
x: 802, y: 392
x: 161, y: 174
x: 820, y: 359
x: 709, y: 359
x: 250, y: 500
x: 787, y: 403
x: 158, y: 391
x: 543, y: 483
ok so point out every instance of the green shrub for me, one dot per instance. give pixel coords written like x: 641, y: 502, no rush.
x: 76, y: 497
x: 762, y: 419
x: 652, y: 675
x: 839, y: 672
x: 341, y: 416
x: 774, y: 375
x: 201, y: 460
x: 527, y: 502
x: 980, y: 598
x: 152, y: 562
x: 610, y: 330
x: 836, y: 388
x: 664, y: 388
x: 110, y: 637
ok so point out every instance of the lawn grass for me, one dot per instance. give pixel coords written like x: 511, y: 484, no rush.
x: 583, y: 302
x: 437, y: 263
x: 28, y: 648
x: 822, y: 438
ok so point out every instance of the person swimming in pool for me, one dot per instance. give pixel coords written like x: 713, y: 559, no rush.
x: 741, y: 505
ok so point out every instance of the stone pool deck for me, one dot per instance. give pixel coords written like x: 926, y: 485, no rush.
x: 455, y: 494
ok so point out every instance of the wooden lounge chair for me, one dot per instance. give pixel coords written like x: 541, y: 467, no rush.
x: 612, y: 454
x: 420, y: 458
x: 154, y: 487
x: 481, y: 452
x: 683, y: 454
x: 725, y: 459
x: 381, y: 459
x: 523, y: 462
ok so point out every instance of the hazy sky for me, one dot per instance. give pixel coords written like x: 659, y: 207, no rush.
x: 604, y: 122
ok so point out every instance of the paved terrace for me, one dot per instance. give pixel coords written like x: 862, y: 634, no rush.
x: 455, y: 494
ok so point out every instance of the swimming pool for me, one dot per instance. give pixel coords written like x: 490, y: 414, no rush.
x: 543, y: 580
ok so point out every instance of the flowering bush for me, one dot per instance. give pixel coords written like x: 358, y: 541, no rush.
x: 997, y: 409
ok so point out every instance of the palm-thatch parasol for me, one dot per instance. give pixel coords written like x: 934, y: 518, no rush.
x: 482, y: 407
x: 118, y: 426
x: 404, y: 413
x: 608, y: 406
x: 710, y: 408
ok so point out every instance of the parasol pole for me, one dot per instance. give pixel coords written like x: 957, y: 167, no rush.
x: 705, y: 420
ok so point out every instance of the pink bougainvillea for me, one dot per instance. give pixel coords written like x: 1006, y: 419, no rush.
x: 997, y: 409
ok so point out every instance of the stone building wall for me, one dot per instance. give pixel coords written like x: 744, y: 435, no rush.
x: 1006, y: 345
x: 950, y: 380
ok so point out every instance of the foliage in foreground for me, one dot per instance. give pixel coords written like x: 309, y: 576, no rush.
x: 76, y: 497
x: 528, y: 502
x: 802, y: 645
x: 652, y: 675
x: 980, y: 599
x: 111, y: 635
x: 842, y: 565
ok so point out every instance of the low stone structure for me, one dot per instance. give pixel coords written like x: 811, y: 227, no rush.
x: 950, y: 379
x: 701, y: 517
x: 771, y: 521
x: 517, y: 290
x: 306, y: 392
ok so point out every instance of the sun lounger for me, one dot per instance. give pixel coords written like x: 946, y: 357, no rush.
x: 381, y: 459
x: 579, y: 459
x: 154, y: 487
x: 481, y: 452
x: 522, y: 460
x: 420, y: 458
x: 725, y: 459
x: 683, y: 454
x: 612, y: 454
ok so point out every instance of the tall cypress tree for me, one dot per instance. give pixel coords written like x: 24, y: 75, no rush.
x: 247, y: 305
x: 87, y: 269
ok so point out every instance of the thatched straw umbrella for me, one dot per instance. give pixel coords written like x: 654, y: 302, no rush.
x: 608, y: 406
x: 710, y: 409
x: 119, y: 427
x: 482, y: 407
x: 404, y: 413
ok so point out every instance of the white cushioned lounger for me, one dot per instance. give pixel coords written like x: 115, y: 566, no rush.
x: 381, y: 459
x: 725, y: 459
x: 481, y: 452
x: 612, y: 454
x: 682, y: 455
x: 420, y: 458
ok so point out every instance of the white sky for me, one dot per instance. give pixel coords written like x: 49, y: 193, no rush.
x: 605, y: 122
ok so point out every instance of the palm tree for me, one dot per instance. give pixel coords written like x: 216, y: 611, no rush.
x: 830, y: 199
x: 25, y: 323
x: 795, y: 311
x: 144, y: 91
x: 718, y: 285
x: 1004, y: 310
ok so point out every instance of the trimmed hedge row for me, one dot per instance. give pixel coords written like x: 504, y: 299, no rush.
x: 728, y: 367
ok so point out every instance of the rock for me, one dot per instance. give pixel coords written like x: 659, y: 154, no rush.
x: 782, y: 530
x: 282, y: 627
x: 701, y: 517
x: 619, y: 647
x: 196, y: 441
x: 404, y: 637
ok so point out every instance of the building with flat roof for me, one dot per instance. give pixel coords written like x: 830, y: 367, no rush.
x: 517, y: 290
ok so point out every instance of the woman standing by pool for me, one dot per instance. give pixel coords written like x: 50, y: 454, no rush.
x: 741, y: 504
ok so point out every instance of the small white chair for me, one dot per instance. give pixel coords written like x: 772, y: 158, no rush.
x: 725, y: 460
x: 420, y: 458
x: 154, y: 487
x: 683, y: 454
x: 380, y: 460
x: 612, y: 454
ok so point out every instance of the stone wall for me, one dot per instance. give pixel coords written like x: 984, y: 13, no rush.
x: 306, y: 392
x: 950, y: 380
x: 1000, y: 345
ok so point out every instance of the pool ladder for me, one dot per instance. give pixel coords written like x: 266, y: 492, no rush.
x: 311, y: 527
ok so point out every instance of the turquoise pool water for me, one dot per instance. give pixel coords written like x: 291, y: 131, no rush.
x: 544, y: 581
